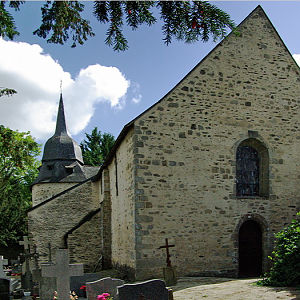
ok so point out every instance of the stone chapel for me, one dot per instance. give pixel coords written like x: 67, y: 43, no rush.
x: 214, y: 166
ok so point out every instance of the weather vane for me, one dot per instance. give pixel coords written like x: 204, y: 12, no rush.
x: 61, y: 86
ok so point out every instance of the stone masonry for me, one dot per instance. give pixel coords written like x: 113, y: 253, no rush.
x: 173, y: 172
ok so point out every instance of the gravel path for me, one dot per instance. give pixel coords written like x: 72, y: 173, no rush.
x: 197, y: 288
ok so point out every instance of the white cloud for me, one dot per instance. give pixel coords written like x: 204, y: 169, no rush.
x: 137, y: 95
x: 36, y: 77
x: 297, y: 58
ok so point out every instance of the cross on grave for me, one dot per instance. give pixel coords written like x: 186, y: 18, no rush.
x: 62, y: 271
x: 2, y: 263
x: 26, y: 243
x: 49, y: 253
x: 167, y: 246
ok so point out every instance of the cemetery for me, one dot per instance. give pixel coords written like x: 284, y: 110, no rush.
x: 195, y: 186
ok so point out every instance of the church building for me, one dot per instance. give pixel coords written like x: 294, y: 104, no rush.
x: 214, y: 167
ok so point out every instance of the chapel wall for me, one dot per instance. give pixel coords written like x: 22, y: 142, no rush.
x: 121, y: 174
x: 86, y: 246
x: 51, y: 221
x: 185, y: 149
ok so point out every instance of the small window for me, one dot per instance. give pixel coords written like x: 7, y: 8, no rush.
x: 50, y: 167
x: 247, y: 171
x: 252, y: 169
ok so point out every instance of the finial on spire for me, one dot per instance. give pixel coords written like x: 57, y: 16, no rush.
x: 61, y: 86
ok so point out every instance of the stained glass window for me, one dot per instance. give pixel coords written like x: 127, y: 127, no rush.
x: 247, y: 171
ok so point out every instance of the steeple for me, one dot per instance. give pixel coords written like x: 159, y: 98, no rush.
x: 61, y: 146
x: 62, y: 159
x: 61, y: 126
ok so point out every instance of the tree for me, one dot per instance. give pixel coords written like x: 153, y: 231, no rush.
x: 286, y: 258
x: 187, y: 21
x: 18, y: 169
x: 96, y: 147
x: 6, y: 92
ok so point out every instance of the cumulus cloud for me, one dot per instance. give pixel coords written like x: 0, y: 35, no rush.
x: 36, y: 77
x: 297, y: 58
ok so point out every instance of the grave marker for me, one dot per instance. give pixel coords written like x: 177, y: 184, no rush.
x: 104, y: 285
x: 2, y: 263
x: 149, y: 290
x: 62, y: 271
x: 26, y: 279
x: 4, y: 281
x: 169, y: 272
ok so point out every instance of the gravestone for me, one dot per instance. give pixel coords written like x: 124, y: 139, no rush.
x: 26, y: 279
x: 149, y: 290
x: 169, y: 272
x: 77, y: 282
x: 4, y: 281
x: 105, y: 285
x: 62, y: 271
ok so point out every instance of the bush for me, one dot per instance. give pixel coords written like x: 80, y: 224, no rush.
x: 286, y: 258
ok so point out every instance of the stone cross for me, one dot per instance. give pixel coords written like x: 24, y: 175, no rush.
x: 49, y: 253
x: 167, y: 246
x: 26, y: 243
x: 62, y: 271
x: 2, y: 263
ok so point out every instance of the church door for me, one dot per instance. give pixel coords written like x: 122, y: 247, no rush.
x: 250, y: 249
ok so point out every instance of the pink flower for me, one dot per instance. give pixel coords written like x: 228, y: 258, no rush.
x: 103, y: 296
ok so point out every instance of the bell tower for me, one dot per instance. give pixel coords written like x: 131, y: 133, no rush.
x: 62, y: 158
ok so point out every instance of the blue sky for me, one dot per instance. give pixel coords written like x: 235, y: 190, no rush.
x: 101, y: 87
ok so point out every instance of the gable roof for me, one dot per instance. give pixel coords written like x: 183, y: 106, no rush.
x: 257, y: 11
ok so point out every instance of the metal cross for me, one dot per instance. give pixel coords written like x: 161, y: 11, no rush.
x: 167, y: 246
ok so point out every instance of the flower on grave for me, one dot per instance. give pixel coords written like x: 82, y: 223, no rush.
x: 73, y: 296
x: 104, y: 296
x: 55, y: 295
x: 83, y: 288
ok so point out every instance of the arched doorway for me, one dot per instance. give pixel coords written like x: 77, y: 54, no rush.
x: 250, y: 249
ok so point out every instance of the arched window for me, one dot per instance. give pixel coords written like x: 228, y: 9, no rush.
x: 252, y: 169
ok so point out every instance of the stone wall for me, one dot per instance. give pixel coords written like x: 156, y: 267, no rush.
x: 85, y: 244
x: 185, y: 147
x: 51, y: 221
x: 121, y: 176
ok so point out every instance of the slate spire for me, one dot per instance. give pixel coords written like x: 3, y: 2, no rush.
x: 62, y: 158
x: 61, y: 126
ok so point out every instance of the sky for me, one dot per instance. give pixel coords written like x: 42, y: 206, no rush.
x: 102, y: 88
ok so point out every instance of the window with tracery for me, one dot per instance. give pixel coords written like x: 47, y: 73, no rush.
x: 247, y: 171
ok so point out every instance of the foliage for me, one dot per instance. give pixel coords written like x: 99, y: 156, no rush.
x: 62, y: 17
x: 96, y: 147
x: 7, y: 23
x: 187, y: 21
x: 6, y: 92
x: 18, y: 169
x: 286, y: 258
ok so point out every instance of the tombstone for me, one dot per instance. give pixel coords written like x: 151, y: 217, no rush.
x: 62, y: 271
x: 169, y: 272
x: 105, y: 285
x: 26, y: 279
x: 77, y: 282
x: 149, y: 290
x: 4, y: 281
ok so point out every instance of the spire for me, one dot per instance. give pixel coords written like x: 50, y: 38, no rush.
x: 62, y: 159
x: 61, y: 126
x: 61, y: 146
